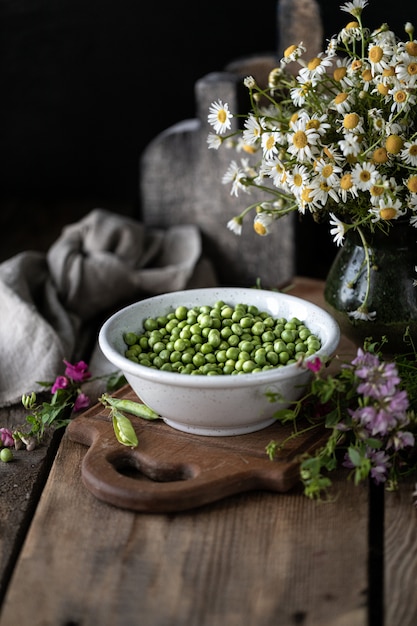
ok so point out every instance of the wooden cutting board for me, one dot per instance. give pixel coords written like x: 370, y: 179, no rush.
x: 171, y: 470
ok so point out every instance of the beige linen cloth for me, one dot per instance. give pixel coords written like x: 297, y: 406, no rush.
x: 51, y: 303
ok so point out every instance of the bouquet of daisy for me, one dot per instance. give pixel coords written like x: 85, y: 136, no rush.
x: 335, y: 136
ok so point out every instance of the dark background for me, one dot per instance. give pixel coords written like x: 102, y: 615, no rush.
x: 87, y: 84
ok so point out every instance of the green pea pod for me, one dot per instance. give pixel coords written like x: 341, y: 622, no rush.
x: 130, y: 406
x: 123, y: 429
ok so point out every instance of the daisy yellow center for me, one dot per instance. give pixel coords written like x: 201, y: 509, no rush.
x: 327, y: 171
x: 411, y: 48
x: 350, y: 121
x: 388, y: 71
x: 346, y: 182
x: 400, y: 96
x: 249, y: 149
x: 383, y: 89
x: 388, y: 213
x: 300, y: 139
x: 290, y: 50
x: 341, y: 97
x: 394, y: 144
x: 412, y: 150
x: 367, y: 75
x: 350, y: 25
x: 325, y: 186
x: 365, y: 176
x: 298, y: 180
x: 412, y: 69
x: 306, y: 195
x: 293, y: 118
x: 259, y: 228
x: 313, y: 63
x: 222, y: 116
x: 380, y: 155
x: 375, y: 54
x: 412, y: 184
x: 356, y: 65
x: 305, y: 88
x: 328, y: 152
x: 313, y: 124
x: 376, y: 190
x: 270, y: 143
x: 339, y: 73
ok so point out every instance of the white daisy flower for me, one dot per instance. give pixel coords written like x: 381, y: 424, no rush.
x: 350, y: 145
x: 214, y: 141
x: 236, y: 176
x: 262, y: 224
x: 302, y: 142
x: 362, y: 314
x: 387, y: 209
x: 269, y: 141
x: 235, y: 225
x: 355, y: 7
x: 220, y: 117
x: 364, y: 175
x: 297, y: 179
x: 253, y: 129
x: 338, y: 232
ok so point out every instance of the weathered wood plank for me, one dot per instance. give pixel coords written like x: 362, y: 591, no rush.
x: 250, y: 559
x: 21, y: 483
x: 400, y: 557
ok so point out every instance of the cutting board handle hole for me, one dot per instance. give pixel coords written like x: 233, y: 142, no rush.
x: 160, y: 473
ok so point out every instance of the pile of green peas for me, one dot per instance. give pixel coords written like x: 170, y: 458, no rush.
x: 220, y: 339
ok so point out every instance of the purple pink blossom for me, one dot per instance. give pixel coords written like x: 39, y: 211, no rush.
x: 314, y: 365
x: 6, y: 437
x: 78, y: 372
x: 82, y: 401
x: 61, y: 382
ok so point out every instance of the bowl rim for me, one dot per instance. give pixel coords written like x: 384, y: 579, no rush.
x: 213, y: 382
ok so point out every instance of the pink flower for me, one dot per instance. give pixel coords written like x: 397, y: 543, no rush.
x: 77, y: 372
x: 61, y: 382
x: 82, y: 402
x: 314, y: 365
x: 6, y: 437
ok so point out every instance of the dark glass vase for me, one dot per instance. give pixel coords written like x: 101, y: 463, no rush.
x: 392, y: 295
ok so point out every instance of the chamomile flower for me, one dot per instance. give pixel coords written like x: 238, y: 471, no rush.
x: 214, y: 141
x: 253, y: 129
x: 363, y: 314
x: 364, y: 175
x: 297, y: 179
x: 302, y: 141
x: 235, y: 175
x: 387, y: 209
x: 235, y: 225
x: 338, y: 230
x: 220, y: 117
x: 269, y: 141
x: 262, y: 224
x: 355, y: 7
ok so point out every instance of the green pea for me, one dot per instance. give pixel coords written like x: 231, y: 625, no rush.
x: 258, y: 328
x: 150, y: 324
x: 130, y: 339
x: 214, y: 338
x: 6, y: 455
x: 248, y: 366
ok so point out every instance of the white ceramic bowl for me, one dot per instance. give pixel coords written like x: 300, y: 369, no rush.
x: 224, y: 404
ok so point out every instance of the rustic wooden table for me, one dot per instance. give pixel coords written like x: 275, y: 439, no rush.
x: 70, y: 559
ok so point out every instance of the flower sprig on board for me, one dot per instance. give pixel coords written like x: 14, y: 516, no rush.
x: 67, y: 398
x: 334, y: 137
x: 368, y: 409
